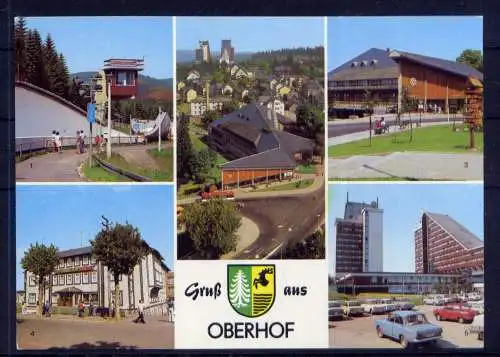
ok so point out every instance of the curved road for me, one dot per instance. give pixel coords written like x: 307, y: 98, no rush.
x: 344, y: 126
x: 282, y: 220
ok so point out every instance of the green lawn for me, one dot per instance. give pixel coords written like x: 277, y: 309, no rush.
x: 438, y: 138
x: 289, y: 186
x: 97, y: 173
x: 187, y: 190
x: 154, y: 174
x: 165, y: 161
x: 307, y: 169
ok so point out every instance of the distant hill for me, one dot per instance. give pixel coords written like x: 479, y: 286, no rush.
x: 149, y: 87
x: 187, y: 56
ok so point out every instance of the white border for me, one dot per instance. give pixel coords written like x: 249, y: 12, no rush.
x: 410, y: 183
x: 325, y: 157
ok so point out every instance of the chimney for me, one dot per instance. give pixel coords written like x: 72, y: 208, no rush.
x: 377, y: 202
x: 348, y: 197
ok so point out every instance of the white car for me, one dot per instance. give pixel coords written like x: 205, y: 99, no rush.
x: 352, y: 308
x: 388, y: 304
x: 373, y: 306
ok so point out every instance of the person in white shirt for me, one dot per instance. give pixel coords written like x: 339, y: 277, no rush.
x: 140, y: 309
x: 58, y: 142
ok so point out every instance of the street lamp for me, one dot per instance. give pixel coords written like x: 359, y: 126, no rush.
x: 279, y: 245
x: 109, y: 79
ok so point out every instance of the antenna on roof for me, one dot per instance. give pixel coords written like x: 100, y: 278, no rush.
x: 81, y: 239
x: 377, y: 201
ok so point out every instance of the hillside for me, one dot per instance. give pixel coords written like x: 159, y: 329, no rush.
x: 188, y: 56
x: 149, y: 87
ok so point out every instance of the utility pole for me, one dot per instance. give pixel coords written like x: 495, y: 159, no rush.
x: 159, y: 130
x: 108, y: 144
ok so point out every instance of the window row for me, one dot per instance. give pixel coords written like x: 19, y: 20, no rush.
x: 76, y: 261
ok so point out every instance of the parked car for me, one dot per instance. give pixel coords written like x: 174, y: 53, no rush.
x: 455, y: 312
x: 434, y: 301
x: 352, y: 308
x: 409, y: 328
x: 404, y: 304
x: 388, y: 304
x: 373, y: 306
x: 477, y: 327
x: 335, y: 311
x: 477, y: 306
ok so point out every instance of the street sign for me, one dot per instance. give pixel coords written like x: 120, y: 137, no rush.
x: 91, y: 112
x: 413, y: 81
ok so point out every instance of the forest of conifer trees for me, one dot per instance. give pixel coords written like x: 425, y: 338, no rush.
x: 38, y: 62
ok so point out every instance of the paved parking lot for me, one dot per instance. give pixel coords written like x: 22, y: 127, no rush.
x: 54, y: 333
x: 359, y: 332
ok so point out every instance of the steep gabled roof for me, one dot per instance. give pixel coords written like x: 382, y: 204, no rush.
x: 385, y: 62
x: 275, y: 158
x: 456, y: 230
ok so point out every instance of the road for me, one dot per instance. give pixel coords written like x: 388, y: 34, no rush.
x: 348, y: 126
x: 282, y: 220
x: 360, y: 333
x: 63, y: 167
x: 54, y: 333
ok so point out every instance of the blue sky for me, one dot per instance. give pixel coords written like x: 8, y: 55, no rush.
x: 402, y: 205
x: 443, y: 37
x: 87, y: 41
x: 69, y: 216
x: 250, y: 34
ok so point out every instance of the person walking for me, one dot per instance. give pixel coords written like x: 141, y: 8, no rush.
x: 58, y: 142
x: 53, y: 139
x: 82, y: 142
x: 78, y: 142
x: 140, y: 309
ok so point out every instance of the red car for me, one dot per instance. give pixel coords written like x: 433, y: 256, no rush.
x: 455, y: 312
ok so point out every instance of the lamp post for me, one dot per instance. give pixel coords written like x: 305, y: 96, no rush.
x: 108, y: 144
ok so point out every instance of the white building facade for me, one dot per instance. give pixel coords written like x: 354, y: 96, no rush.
x: 80, y: 277
x: 373, y: 239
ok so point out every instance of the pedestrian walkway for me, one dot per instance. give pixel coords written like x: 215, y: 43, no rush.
x: 51, y: 167
x: 247, y: 234
x: 409, y: 166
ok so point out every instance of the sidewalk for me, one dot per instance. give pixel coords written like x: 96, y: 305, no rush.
x: 344, y: 139
x: 414, y: 117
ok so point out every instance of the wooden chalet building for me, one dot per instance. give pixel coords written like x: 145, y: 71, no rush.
x: 384, y: 76
x: 253, y: 136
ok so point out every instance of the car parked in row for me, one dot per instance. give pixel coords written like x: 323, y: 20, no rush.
x: 335, y: 311
x: 352, y: 308
x: 373, y: 307
x: 456, y: 312
x: 409, y: 328
x: 404, y: 305
x: 389, y: 305
x: 477, y: 306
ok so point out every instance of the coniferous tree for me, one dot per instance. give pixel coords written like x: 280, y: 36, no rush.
x: 61, y: 84
x: 51, y: 60
x: 36, y: 73
x: 20, y: 36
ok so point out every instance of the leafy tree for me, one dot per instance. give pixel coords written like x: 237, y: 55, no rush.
x: 200, y: 164
x: 184, y: 147
x: 209, y: 117
x: 119, y: 247
x: 472, y: 58
x: 212, y: 227
x: 313, y: 247
x: 230, y: 107
x: 218, y: 77
x: 310, y: 119
x: 40, y: 260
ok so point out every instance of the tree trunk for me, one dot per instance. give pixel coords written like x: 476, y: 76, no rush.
x: 472, y: 143
x: 40, y: 298
x: 117, y: 297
